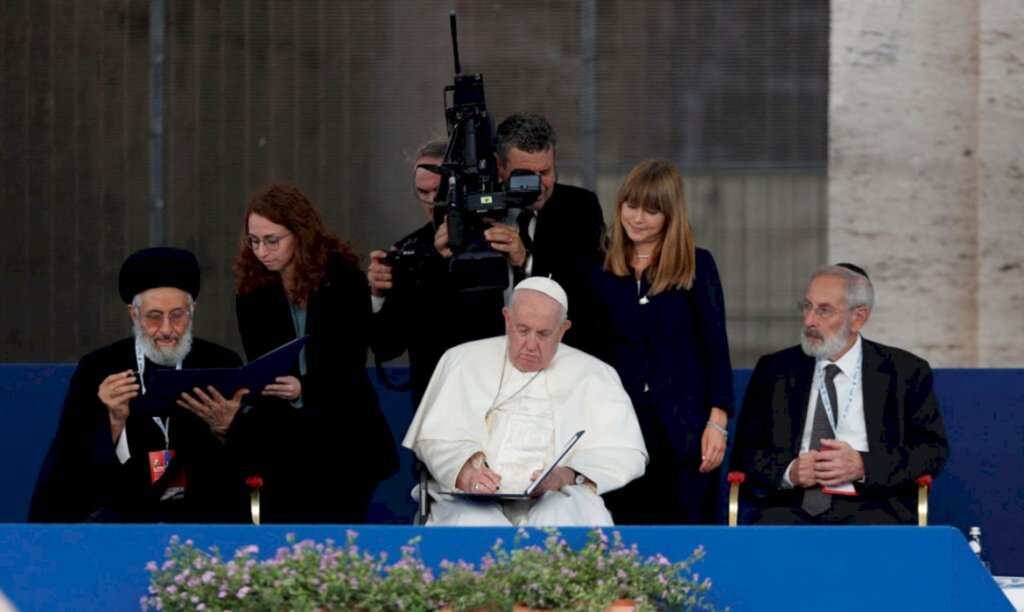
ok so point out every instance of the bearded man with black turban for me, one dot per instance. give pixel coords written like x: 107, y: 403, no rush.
x: 120, y: 456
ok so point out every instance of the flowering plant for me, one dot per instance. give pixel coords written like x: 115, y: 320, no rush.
x: 311, y: 576
x: 557, y: 576
x: 305, y: 576
x: 612, y: 571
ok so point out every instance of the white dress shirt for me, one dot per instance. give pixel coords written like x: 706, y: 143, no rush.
x: 851, y: 426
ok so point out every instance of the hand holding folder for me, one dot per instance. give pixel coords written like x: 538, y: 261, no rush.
x: 165, y: 385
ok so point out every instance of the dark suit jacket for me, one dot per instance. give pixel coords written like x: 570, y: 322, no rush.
x: 83, y: 480
x: 426, y: 315
x: 431, y: 318
x: 906, y: 435
x: 566, y: 244
x: 340, y: 440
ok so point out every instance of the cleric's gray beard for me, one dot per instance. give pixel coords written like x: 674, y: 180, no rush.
x: 170, y: 356
x: 832, y: 345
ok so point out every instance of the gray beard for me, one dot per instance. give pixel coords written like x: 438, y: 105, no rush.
x: 831, y: 345
x: 169, y: 357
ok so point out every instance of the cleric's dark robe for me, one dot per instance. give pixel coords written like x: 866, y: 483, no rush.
x: 82, y: 478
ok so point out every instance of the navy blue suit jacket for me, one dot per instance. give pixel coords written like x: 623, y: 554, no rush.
x: 675, y: 344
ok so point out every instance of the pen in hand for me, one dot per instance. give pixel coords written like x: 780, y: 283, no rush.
x: 497, y: 488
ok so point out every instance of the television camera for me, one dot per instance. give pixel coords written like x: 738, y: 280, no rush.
x: 470, y: 197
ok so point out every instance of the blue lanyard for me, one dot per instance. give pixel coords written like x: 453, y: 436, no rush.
x: 827, y: 401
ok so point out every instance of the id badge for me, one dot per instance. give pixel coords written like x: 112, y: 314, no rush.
x: 159, y: 461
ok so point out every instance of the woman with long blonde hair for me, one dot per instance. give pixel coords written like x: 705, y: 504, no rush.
x: 663, y: 303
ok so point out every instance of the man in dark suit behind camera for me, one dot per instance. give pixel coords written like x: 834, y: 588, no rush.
x: 559, y: 235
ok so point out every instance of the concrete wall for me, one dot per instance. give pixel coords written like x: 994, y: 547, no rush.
x: 925, y: 171
x: 1001, y: 183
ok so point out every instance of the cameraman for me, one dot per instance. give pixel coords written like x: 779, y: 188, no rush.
x: 559, y: 235
x: 423, y: 312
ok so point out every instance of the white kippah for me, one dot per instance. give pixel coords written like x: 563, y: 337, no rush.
x: 546, y: 286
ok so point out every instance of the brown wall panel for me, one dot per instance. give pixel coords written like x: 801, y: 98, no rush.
x: 334, y: 96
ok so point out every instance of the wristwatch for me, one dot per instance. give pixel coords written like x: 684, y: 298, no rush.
x: 580, y: 478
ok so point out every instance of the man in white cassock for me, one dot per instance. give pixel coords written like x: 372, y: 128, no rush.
x: 497, y: 411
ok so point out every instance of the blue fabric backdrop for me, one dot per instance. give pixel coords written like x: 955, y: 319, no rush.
x: 981, y: 485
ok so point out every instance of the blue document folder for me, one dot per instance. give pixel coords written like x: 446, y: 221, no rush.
x: 166, y: 384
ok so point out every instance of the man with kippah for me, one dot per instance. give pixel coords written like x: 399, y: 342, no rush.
x: 117, y: 457
x: 498, y: 410
x: 837, y: 430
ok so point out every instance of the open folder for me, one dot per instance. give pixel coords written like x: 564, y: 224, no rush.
x: 167, y: 384
x: 533, y: 485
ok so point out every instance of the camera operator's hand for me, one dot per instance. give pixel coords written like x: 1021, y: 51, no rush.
x: 505, y: 239
x: 379, y: 274
x: 441, y: 240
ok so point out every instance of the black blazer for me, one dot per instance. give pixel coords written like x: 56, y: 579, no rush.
x: 431, y: 317
x: 905, y: 430
x: 338, y: 400
x: 675, y: 345
x: 566, y: 244
x: 426, y: 315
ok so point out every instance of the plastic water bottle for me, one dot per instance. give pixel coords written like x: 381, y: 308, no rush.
x: 974, y: 541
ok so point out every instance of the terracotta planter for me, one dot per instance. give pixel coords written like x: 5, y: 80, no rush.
x: 621, y: 605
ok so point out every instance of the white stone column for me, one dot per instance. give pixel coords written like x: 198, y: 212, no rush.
x: 1001, y: 184
x: 925, y: 172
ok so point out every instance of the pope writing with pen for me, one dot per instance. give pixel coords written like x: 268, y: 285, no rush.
x: 497, y: 411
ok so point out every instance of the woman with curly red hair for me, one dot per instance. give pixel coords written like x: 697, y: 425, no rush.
x: 296, y: 278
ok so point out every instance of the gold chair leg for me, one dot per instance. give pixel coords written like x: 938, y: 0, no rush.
x: 924, y: 483
x: 734, y: 503
x: 922, y: 505
x: 254, y: 506
x: 255, y: 483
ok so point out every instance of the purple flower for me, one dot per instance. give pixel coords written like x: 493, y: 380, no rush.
x: 242, y: 592
x: 151, y: 566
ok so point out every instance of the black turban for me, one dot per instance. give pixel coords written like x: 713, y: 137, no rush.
x: 158, y: 267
